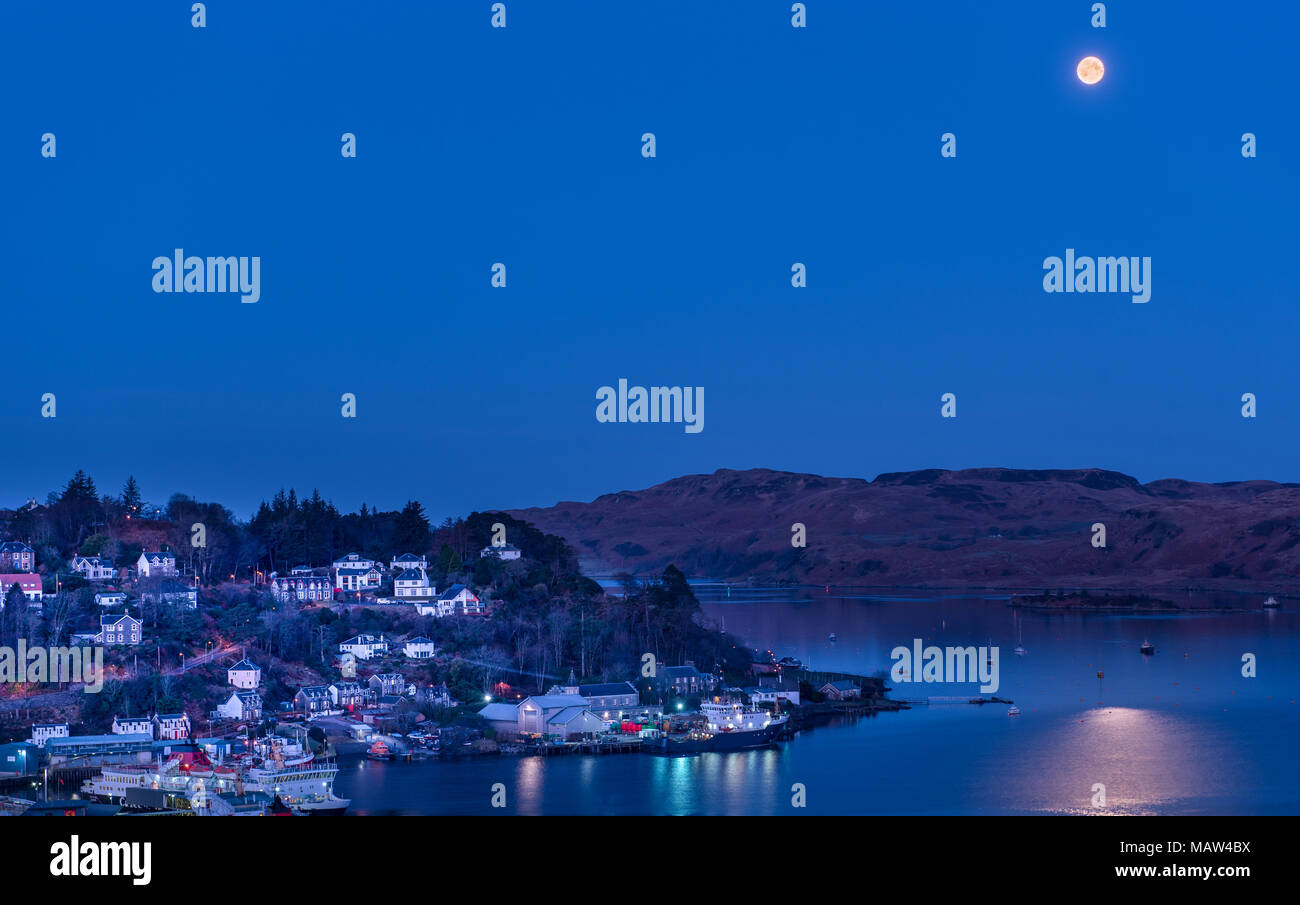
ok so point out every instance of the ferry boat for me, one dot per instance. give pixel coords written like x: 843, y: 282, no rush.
x: 187, y: 781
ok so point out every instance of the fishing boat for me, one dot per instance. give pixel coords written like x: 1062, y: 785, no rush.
x: 1147, y: 647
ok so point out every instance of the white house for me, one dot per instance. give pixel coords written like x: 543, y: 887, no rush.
x: 355, y: 572
x: 43, y: 732
x: 462, y: 600
x: 171, y: 726
x: 132, y: 725
x: 505, y: 551
x: 110, y: 598
x: 364, y: 646
x: 432, y: 606
x: 420, y: 648
x: 245, y: 674
x: 408, y: 561
x: 122, y: 629
x: 29, y: 582
x: 160, y: 563
x: 94, y: 568
x: 413, y: 583
x: 242, y: 705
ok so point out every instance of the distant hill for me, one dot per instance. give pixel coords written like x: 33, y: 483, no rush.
x: 978, y: 527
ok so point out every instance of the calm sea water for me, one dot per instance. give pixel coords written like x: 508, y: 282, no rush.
x: 1180, y: 732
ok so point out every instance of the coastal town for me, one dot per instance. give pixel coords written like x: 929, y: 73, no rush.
x: 239, y: 694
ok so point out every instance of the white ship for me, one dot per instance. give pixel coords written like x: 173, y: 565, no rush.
x: 189, y: 781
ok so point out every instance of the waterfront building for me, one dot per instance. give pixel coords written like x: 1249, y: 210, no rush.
x: 43, y: 732
x: 777, y: 688
x: 133, y: 725
x: 608, y: 699
x: 98, y: 750
x: 563, y: 715
x: 171, y: 726
x: 18, y: 758
x: 843, y: 690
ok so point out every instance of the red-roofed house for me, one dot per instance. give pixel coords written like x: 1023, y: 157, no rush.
x: 28, y: 581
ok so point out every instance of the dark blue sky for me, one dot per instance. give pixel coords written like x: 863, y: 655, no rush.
x: 775, y: 145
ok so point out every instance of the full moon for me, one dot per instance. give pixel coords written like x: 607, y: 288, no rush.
x: 1090, y: 70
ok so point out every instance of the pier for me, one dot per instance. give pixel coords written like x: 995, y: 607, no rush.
x: 601, y: 746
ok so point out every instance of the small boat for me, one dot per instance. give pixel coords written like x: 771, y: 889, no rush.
x: 1271, y: 603
x: 1013, y: 710
x: 379, y: 751
x: 1147, y: 647
x: 833, y: 637
x: 1020, y: 649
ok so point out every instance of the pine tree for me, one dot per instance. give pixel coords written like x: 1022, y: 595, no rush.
x: 131, y: 498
